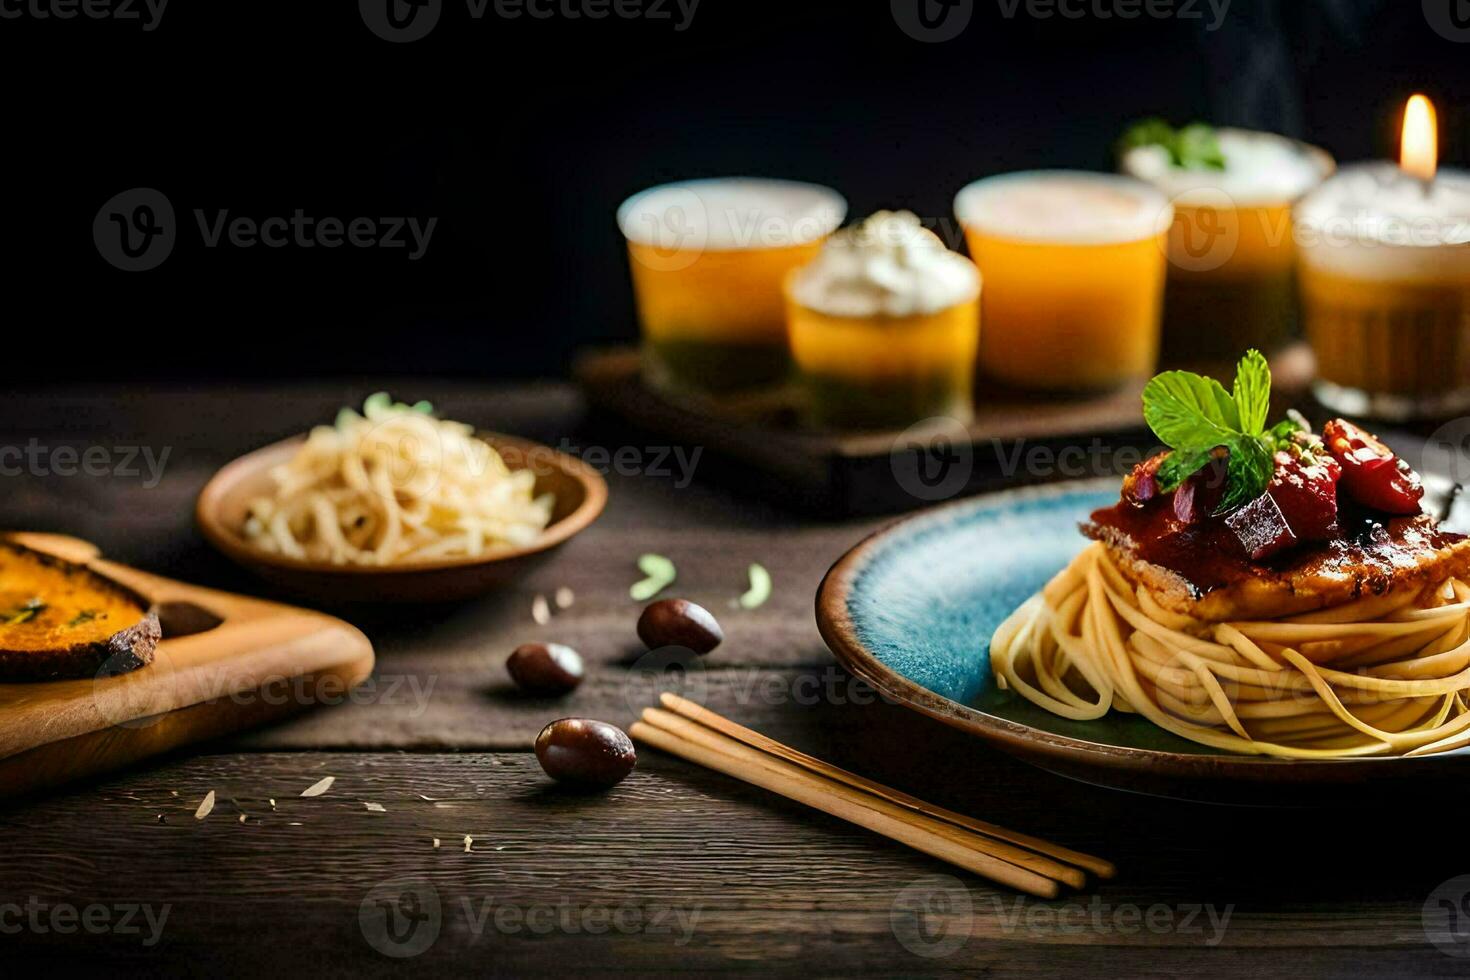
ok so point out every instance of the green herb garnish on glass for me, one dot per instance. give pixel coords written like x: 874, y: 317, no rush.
x: 1193, y: 147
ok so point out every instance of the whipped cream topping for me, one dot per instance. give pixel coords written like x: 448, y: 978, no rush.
x: 889, y: 265
x: 730, y: 214
x: 1375, y: 221
x: 1260, y: 169
x: 1070, y: 207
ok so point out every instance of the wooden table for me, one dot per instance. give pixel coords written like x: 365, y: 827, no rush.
x: 675, y: 869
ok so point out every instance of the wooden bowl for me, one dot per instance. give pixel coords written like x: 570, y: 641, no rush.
x: 580, y: 493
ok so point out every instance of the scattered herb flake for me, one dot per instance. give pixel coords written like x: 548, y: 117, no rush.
x: 660, y: 574
x: 760, y: 588
x: 319, y: 787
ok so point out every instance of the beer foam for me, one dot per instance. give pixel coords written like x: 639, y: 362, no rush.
x: 731, y: 213
x: 889, y: 265
x: 1373, y: 221
x: 1260, y: 169
x: 1070, y: 207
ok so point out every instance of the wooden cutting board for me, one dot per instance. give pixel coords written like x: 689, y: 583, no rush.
x: 226, y: 662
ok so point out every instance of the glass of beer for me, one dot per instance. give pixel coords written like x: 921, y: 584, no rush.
x: 709, y: 258
x: 1231, y: 281
x: 884, y: 327
x: 1385, y: 271
x: 1074, y: 277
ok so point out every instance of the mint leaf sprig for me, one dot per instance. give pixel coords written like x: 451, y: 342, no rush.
x: 1193, y: 147
x: 1195, y: 416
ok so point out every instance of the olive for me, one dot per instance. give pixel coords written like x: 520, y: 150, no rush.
x: 585, y: 752
x: 679, y: 623
x: 545, y: 668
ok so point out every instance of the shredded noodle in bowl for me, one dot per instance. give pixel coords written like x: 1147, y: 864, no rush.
x: 394, y: 485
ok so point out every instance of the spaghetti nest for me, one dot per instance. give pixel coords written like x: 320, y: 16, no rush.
x: 396, y: 485
x: 1387, y: 675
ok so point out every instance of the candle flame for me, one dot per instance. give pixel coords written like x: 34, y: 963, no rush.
x: 1419, y: 155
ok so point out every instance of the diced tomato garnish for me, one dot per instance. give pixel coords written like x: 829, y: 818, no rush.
x: 1371, y: 473
x: 1261, y: 528
x: 1306, y: 493
x: 1199, y: 496
x: 1142, y: 482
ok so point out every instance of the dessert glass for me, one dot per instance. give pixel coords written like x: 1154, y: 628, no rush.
x: 708, y: 259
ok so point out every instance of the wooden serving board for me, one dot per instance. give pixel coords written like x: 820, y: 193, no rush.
x: 226, y: 662
x: 755, y: 442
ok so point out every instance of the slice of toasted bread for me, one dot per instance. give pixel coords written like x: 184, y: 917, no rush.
x: 61, y: 620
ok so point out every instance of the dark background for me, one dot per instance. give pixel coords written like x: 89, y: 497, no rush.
x: 521, y: 136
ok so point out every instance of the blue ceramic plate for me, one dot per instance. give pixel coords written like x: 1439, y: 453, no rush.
x: 912, y: 610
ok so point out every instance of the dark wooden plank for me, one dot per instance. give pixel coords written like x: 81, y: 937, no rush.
x: 685, y: 870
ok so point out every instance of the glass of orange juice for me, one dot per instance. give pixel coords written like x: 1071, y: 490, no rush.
x: 1231, y: 281
x: 1074, y: 276
x: 884, y: 326
x: 709, y: 258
